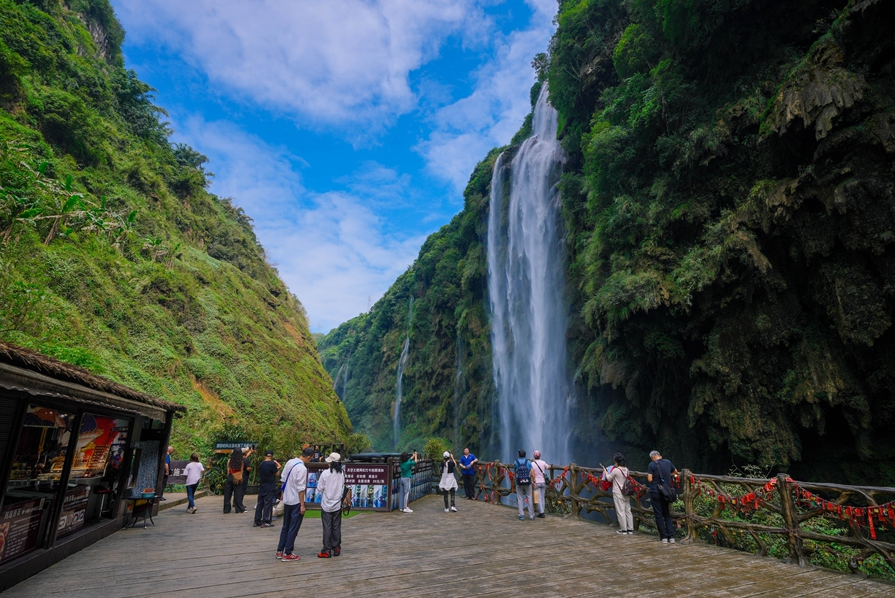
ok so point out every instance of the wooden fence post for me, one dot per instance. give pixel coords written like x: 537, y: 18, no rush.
x: 574, y: 490
x: 689, y: 509
x: 791, y: 520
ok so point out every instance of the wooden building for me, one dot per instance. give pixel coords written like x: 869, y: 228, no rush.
x: 74, y: 448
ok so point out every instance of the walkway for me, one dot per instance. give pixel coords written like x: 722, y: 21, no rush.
x: 482, y: 550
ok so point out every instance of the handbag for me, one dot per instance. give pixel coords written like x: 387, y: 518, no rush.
x: 237, y: 476
x: 667, y: 491
x: 346, y: 501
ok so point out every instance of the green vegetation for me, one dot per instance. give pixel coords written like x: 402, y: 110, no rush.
x: 113, y: 255
x: 728, y: 207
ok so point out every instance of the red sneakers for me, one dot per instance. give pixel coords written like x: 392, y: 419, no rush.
x: 279, y: 555
x: 337, y: 551
x: 288, y: 558
x: 323, y: 555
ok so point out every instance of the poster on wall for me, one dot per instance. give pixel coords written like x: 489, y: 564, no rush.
x: 98, y: 435
x: 19, y: 527
x: 74, y: 510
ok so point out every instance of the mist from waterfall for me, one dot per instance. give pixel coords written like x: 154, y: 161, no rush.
x: 402, y: 362
x: 526, y: 291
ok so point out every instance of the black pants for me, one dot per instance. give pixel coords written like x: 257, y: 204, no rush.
x: 664, y: 522
x: 264, y: 508
x: 445, y: 493
x: 469, y: 485
x: 239, y: 492
x: 332, y: 530
x: 236, y: 492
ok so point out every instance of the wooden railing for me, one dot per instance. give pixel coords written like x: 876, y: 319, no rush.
x: 850, y: 528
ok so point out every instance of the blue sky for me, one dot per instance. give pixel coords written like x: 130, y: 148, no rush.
x: 346, y: 129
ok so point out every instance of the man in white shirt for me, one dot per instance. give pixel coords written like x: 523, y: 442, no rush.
x: 295, y: 482
x: 330, y: 488
x: 538, y: 472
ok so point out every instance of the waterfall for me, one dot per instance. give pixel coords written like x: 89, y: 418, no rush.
x: 458, y: 390
x: 526, y: 292
x: 405, y: 352
x: 344, y: 368
x: 336, y: 379
x: 345, y: 379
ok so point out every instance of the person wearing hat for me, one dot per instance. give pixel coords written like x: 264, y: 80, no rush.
x: 330, y: 488
x: 539, y: 470
x: 267, y: 490
x: 448, y: 482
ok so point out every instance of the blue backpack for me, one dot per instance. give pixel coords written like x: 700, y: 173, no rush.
x: 523, y: 472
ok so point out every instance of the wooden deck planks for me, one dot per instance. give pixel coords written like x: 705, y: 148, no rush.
x: 481, y: 550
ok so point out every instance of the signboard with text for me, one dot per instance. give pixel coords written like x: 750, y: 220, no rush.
x: 19, y: 528
x: 177, y: 474
x: 74, y: 510
x: 227, y: 447
x: 368, y: 482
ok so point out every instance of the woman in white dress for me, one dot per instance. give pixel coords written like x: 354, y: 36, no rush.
x: 448, y: 483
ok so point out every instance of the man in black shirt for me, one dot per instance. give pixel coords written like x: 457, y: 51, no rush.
x: 660, y: 471
x: 267, y: 490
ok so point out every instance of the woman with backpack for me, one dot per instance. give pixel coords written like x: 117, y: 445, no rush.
x: 448, y: 482
x: 617, y: 477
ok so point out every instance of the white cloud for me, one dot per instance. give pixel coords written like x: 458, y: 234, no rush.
x: 333, y: 249
x: 466, y: 129
x: 336, y: 61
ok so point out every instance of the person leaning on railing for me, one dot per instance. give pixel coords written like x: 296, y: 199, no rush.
x: 408, y: 462
x: 660, y: 472
x: 617, y: 478
x: 538, y: 472
x: 467, y: 468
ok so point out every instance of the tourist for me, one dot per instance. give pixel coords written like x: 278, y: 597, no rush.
x: 295, y: 482
x: 234, y: 480
x: 168, y: 471
x: 522, y: 470
x: 617, y: 478
x: 448, y: 482
x: 467, y: 468
x: 330, y: 488
x: 193, y: 471
x: 539, y: 472
x: 239, y: 490
x: 408, y: 462
x: 267, y: 490
x: 316, y: 457
x: 660, y: 472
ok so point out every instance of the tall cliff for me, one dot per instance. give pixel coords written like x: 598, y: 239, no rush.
x: 114, y: 256
x: 728, y: 204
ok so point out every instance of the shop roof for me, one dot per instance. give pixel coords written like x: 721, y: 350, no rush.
x: 48, y: 366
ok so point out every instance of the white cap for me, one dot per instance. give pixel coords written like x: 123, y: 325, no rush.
x: 446, y: 454
x: 333, y: 458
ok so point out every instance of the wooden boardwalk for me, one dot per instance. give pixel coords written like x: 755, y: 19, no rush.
x: 482, y: 550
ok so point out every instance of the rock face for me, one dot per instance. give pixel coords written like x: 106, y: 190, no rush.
x: 729, y: 208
